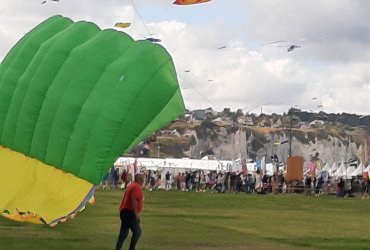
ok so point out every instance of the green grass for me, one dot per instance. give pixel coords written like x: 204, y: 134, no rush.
x: 188, y: 220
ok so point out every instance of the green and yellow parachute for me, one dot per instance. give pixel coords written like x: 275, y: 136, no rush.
x: 73, y: 98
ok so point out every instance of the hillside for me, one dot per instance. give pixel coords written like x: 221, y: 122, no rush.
x: 329, y: 137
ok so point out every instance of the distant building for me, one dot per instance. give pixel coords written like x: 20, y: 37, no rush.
x: 245, y: 120
x: 317, y: 123
x: 169, y: 133
x: 189, y: 133
x: 304, y: 125
x: 199, y: 114
x: 264, y: 122
x: 249, y: 121
x: 187, y: 117
x: 227, y: 111
x: 222, y: 122
x: 211, y: 112
x: 277, y: 124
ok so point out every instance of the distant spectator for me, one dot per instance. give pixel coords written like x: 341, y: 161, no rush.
x: 187, y: 181
x: 124, y: 179
x: 152, y: 180
x: 168, y: 181
x: 340, y: 188
x: 319, y: 183
x: 233, y: 182
x: 248, y: 184
x: 178, y: 181
x: 113, y: 176
x: 307, y: 185
x: 105, y: 182
x: 367, y: 189
x: 183, y: 182
x: 258, y: 182
x: 226, y: 184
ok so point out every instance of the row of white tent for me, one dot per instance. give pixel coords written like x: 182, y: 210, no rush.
x: 190, y: 164
x: 342, y: 171
x: 180, y: 165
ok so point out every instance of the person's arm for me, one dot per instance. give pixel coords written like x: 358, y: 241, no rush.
x: 135, y: 207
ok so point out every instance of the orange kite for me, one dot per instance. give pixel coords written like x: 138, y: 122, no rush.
x: 188, y: 2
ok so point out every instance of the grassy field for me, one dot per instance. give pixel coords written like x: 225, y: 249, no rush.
x: 189, y: 220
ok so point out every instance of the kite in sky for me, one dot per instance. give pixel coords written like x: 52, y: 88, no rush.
x: 284, y: 44
x: 73, y: 99
x: 189, y: 2
x: 122, y: 25
x: 43, y: 2
x: 292, y: 45
x: 153, y: 40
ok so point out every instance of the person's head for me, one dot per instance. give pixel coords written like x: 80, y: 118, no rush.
x: 139, y: 179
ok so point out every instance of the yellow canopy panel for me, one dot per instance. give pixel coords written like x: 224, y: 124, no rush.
x: 35, y: 192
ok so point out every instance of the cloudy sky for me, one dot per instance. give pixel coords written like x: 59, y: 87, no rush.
x: 329, y: 72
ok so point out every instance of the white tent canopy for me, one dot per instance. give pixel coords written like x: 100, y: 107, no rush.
x: 367, y: 169
x: 326, y: 167
x: 359, y: 170
x: 350, y: 170
x: 189, y: 164
x: 184, y: 163
x: 341, y: 171
x: 215, y: 165
x: 333, y: 169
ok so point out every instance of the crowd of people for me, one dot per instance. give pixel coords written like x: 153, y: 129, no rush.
x: 236, y: 182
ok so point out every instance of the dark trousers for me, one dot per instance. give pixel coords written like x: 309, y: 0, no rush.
x: 248, y: 188
x: 128, y: 221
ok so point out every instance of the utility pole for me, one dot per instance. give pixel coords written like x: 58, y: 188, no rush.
x: 246, y: 146
x: 290, y: 132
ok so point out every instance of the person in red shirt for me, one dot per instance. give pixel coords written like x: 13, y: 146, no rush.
x: 130, y: 210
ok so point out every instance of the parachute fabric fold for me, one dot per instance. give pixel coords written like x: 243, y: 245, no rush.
x: 73, y: 98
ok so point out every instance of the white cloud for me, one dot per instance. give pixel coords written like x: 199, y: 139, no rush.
x: 332, y: 63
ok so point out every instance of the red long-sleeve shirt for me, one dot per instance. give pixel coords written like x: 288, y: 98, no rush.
x: 134, y: 191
